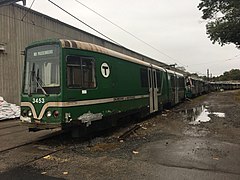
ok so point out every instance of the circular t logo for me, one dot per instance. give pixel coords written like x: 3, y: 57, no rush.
x: 105, y: 70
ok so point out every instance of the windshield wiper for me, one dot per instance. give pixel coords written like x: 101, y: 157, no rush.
x: 38, y: 80
x: 31, y: 78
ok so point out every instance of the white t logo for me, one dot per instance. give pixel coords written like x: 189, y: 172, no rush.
x: 105, y: 70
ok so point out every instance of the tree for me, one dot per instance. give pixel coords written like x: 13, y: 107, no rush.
x: 233, y: 74
x: 224, y: 20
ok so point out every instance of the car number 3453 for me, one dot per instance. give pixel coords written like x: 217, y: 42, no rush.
x: 38, y: 100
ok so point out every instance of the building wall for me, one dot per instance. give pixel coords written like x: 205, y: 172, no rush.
x: 20, y: 26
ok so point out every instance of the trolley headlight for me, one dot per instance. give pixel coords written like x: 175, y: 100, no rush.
x: 48, y: 114
x: 29, y: 113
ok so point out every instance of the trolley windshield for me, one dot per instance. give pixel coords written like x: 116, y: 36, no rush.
x: 41, y: 70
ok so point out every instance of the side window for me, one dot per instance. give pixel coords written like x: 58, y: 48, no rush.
x: 172, y: 79
x: 182, y: 84
x: 80, y: 72
x: 155, y: 79
x: 144, y: 77
x: 88, y: 73
x: 159, y: 80
x: 73, y: 72
x: 188, y: 83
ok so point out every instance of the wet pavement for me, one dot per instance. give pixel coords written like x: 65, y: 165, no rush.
x: 26, y: 173
x: 194, y: 153
x: 200, y: 114
x: 198, y: 139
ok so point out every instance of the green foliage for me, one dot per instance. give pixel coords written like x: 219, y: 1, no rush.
x: 233, y: 74
x: 224, y: 20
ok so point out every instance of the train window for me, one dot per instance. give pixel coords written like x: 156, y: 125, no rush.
x: 80, y: 72
x: 144, y: 77
x: 154, y: 79
x: 149, y: 78
x: 172, y: 79
x: 159, y: 80
x: 182, y: 84
x: 88, y: 73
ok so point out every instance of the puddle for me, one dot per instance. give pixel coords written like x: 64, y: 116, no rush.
x: 218, y: 114
x: 200, y: 114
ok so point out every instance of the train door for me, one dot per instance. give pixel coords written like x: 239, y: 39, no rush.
x: 172, y: 88
x: 153, y: 97
x: 176, y: 89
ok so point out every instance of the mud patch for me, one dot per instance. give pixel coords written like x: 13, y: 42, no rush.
x: 103, y: 147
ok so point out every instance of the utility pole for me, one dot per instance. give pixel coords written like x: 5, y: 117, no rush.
x: 208, y: 74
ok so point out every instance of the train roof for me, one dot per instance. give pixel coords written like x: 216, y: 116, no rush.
x: 99, y: 49
x: 174, y: 72
x: 225, y: 82
x: 195, y: 78
x: 65, y: 43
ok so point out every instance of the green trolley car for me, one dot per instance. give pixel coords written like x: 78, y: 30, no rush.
x: 71, y: 83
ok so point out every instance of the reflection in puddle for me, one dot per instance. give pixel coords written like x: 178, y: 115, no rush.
x: 200, y: 114
x: 218, y: 114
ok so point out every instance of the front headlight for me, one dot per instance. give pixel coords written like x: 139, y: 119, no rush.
x: 48, y: 114
x: 29, y: 113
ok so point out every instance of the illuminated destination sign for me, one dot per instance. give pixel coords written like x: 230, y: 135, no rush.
x: 42, y: 53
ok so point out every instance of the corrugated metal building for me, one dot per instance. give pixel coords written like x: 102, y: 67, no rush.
x: 19, y: 26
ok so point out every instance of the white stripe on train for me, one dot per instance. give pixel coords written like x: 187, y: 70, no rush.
x: 78, y: 103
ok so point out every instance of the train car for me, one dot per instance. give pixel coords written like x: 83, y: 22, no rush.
x: 207, y: 86
x: 176, y: 87
x: 236, y: 85
x: 214, y: 86
x: 71, y: 83
x: 224, y: 85
x: 195, y: 86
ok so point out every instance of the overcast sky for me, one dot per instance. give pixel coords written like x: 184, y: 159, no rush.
x: 174, y: 27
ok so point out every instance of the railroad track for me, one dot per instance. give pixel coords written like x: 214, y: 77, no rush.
x: 24, y: 158
x: 8, y: 133
x: 10, y: 126
x: 39, y: 145
x: 32, y: 142
x: 40, y: 157
x: 5, y: 124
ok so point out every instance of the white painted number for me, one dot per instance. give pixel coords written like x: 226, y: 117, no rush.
x: 38, y: 100
x: 105, y: 70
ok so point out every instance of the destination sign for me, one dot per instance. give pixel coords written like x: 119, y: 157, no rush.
x: 42, y: 53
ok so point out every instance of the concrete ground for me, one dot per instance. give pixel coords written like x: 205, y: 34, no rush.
x: 198, y: 139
